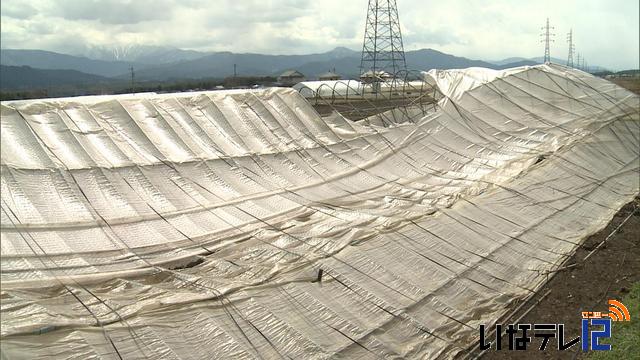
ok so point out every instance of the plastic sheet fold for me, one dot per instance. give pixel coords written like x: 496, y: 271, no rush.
x: 194, y: 225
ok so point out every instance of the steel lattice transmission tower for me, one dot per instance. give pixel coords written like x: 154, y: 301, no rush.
x: 572, y: 48
x: 578, y: 61
x: 547, y: 39
x: 382, y: 49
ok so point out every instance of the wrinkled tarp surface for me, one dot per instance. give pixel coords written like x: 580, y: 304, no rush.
x: 192, y: 226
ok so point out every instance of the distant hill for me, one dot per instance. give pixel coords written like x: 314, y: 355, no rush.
x: 221, y: 64
x: 508, y: 61
x: 158, y: 55
x: 631, y: 72
x: 142, y: 54
x: 540, y: 60
x: 162, y: 64
x: 345, y: 61
x: 535, y: 60
x: 420, y: 60
x: 51, y: 60
x: 517, y: 64
x: 25, y: 77
x: 427, y: 59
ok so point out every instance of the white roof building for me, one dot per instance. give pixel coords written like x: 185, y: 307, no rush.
x: 291, y: 77
x: 328, y: 76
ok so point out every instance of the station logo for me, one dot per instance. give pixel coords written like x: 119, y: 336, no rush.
x: 590, y: 338
x: 595, y: 326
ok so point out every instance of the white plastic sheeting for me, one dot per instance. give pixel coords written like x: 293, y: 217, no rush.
x: 453, y: 83
x: 186, y: 226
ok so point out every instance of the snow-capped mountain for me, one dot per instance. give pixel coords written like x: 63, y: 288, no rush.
x: 145, y: 54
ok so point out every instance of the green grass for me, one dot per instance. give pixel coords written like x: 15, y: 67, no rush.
x: 625, y: 335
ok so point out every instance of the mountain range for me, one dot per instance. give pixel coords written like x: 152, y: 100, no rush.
x: 160, y: 64
x: 25, y: 78
x: 142, y: 54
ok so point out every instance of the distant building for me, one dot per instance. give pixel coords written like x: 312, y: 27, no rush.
x: 379, y: 75
x: 291, y: 77
x: 329, y: 76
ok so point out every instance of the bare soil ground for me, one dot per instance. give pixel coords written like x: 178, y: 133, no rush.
x: 608, y: 274
x: 632, y: 84
x: 359, y: 109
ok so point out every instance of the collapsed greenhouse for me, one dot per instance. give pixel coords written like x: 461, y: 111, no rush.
x: 243, y: 224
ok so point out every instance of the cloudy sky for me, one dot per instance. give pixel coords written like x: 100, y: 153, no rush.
x: 606, y: 31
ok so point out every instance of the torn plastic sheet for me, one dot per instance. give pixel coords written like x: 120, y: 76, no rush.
x: 194, y: 225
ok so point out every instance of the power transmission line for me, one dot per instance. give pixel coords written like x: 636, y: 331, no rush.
x: 572, y: 48
x: 546, y: 40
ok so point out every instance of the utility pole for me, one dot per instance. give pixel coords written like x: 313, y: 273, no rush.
x: 133, y: 76
x: 578, y: 61
x: 546, y: 40
x: 235, y: 73
x: 572, y: 48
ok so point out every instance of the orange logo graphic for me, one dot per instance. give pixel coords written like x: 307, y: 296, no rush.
x: 617, y: 311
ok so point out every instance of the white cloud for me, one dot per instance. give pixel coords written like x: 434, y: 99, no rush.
x: 606, y: 32
x: 17, y: 10
x: 110, y: 12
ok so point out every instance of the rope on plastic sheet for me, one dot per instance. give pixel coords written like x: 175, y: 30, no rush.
x: 256, y: 174
x: 135, y: 336
x: 474, y: 350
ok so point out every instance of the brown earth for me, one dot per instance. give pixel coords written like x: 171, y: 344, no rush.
x: 359, y: 109
x: 585, y: 286
x: 632, y: 84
